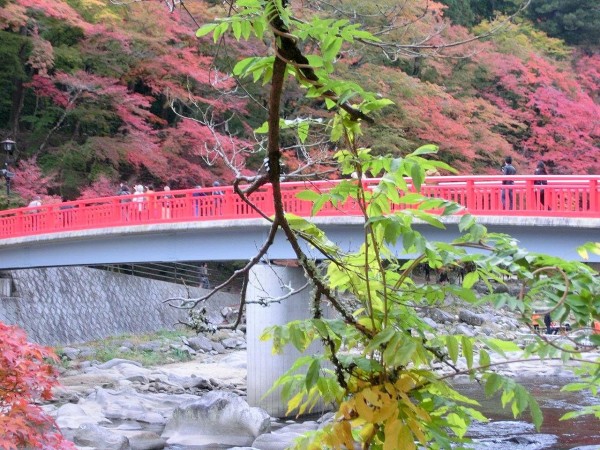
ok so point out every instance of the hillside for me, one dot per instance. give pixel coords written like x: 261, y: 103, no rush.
x: 95, y: 93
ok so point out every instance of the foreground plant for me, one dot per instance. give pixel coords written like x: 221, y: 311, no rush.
x: 26, y: 379
x: 388, y: 373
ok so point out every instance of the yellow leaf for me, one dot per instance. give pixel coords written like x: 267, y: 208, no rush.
x: 346, y: 432
x: 364, y: 411
x: 366, y: 432
x: 389, y: 409
x: 415, y: 427
x: 346, y: 409
x: 406, y: 440
x: 294, y: 402
x: 392, y: 430
x: 372, y: 396
x: 405, y: 383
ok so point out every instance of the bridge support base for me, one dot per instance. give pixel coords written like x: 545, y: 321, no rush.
x: 264, y: 368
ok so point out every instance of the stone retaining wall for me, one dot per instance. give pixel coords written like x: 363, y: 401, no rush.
x: 67, y: 305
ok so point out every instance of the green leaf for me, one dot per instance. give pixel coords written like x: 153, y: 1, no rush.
x: 493, y: 383
x: 405, y: 351
x: 312, y: 376
x: 428, y: 218
x: 380, y: 338
x: 299, y: 338
x: 466, y: 222
x: 303, y: 131
x: 237, y: 30
x: 452, y: 345
x: 484, y: 358
x: 507, y: 396
x: 417, y: 176
x: 263, y: 129
x: 259, y: 28
x: 318, y: 205
x: 593, y: 247
x: 425, y: 150
x: 467, y: 351
x: 205, y: 29
x: 315, y: 60
x: 241, y: 68
x: 311, y: 196
x: 220, y: 30
x: 457, y: 423
x: 500, y: 346
x: 470, y: 279
x: 362, y: 34
x: 375, y: 105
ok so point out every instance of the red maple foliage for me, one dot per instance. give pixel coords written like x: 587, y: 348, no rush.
x: 57, y: 10
x: 561, y: 117
x: 29, y: 182
x: 588, y: 73
x: 25, y: 379
x: 101, y: 187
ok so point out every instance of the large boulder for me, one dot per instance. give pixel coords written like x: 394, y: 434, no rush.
x: 90, y: 435
x: 470, y: 317
x: 233, y: 343
x: 216, y: 418
x: 236, y: 360
x: 441, y: 316
x: 73, y: 416
x: 127, y: 404
x: 143, y: 440
x: 200, y: 343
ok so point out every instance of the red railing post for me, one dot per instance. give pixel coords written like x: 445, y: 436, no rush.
x: 471, y: 200
x: 531, y: 202
x: 116, y: 210
x: 228, y: 203
x: 594, y: 197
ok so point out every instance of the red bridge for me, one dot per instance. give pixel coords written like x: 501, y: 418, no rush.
x: 563, y: 196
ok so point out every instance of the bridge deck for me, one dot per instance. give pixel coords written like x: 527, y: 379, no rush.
x: 564, y: 197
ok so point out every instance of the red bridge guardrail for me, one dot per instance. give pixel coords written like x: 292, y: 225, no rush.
x: 563, y: 196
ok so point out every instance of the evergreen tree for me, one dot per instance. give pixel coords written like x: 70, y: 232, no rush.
x: 575, y: 21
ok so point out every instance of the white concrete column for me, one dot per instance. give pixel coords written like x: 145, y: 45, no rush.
x: 264, y: 368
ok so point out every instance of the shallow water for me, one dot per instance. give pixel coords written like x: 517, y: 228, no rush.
x: 554, y: 434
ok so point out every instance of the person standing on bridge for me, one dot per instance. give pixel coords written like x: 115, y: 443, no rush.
x: 218, y: 201
x: 139, y: 199
x: 35, y: 202
x: 124, y: 190
x: 166, y: 202
x: 508, y: 169
x: 540, y: 170
x: 197, y: 201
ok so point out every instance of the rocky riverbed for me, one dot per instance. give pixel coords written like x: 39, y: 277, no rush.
x: 200, y: 404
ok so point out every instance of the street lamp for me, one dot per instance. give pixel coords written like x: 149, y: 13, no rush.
x: 8, y: 147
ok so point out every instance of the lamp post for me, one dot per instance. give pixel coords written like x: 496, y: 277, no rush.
x: 8, y: 147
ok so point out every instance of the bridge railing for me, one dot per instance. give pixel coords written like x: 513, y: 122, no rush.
x: 563, y: 196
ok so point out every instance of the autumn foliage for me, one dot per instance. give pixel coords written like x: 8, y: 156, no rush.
x: 96, y: 92
x: 26, y: 378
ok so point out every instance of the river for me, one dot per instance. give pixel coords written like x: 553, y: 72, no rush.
x: 504, y: 432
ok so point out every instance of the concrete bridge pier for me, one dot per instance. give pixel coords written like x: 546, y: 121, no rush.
x: 264, y: 368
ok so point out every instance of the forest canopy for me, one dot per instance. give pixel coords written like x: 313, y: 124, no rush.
x: 95, y: 93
